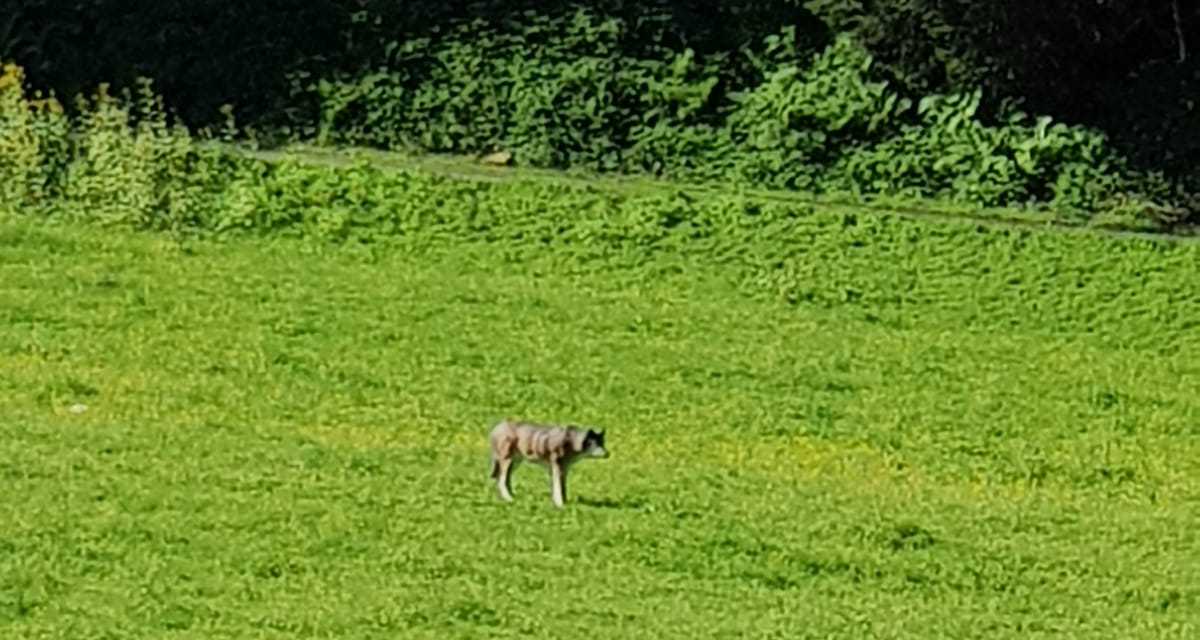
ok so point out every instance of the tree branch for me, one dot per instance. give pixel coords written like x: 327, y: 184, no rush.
x: 1179, y: 31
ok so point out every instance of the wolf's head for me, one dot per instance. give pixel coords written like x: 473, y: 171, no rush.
x: 593, y: 444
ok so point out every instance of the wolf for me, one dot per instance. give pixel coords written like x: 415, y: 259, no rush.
x: 555, y: 446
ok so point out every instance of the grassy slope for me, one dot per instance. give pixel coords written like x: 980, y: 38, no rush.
x: 280, y: 445
x: 467, y: 168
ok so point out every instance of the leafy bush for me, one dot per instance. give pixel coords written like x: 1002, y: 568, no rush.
x: 555, y: 91
x: 788, y: 129
x: 950, y: 154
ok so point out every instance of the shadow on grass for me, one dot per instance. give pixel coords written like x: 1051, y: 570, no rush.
x: 608, y: 503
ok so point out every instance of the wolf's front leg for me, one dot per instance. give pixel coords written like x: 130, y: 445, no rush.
x: 558, y: 483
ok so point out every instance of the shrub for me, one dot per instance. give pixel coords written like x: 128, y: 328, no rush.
x: 119, y: 161
x: 796, y: 122
x: 556, y: 91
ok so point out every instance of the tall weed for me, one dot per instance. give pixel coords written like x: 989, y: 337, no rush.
x: 33, y: 144
x: 118, y: 161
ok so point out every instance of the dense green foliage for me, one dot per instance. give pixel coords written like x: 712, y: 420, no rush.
x: 278, y: 442
x: 565, y: 92
x: 898, y: 97
x: 1114, y: 63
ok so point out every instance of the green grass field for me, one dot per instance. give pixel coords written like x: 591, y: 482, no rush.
x: 282, y: 441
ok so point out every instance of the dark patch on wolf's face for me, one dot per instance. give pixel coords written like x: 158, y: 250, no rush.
x: 593, y: 444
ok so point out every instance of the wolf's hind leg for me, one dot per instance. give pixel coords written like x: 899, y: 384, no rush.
x: 503, y: 477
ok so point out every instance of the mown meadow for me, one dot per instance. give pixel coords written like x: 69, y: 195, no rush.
x: 243, y: 398
x: 284, y: 438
